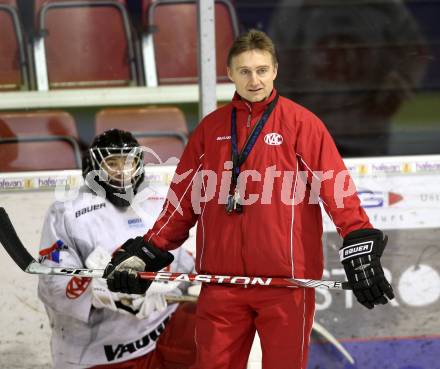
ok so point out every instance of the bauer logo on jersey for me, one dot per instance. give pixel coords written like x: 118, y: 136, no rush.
x: 89, y: 209
x: 356, y: 250
x: 273, y: 139
x: 52, y: 252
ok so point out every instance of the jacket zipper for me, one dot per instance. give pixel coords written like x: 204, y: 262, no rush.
x: 243, y: 256
x: 241, y: 216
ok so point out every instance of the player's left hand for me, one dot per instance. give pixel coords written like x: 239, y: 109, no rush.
x: 135, y: 255
x: 360, y: 254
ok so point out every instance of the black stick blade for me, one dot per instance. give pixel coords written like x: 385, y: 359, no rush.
x: 11, y: 242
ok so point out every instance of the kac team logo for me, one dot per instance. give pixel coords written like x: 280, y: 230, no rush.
x: 273, y: 139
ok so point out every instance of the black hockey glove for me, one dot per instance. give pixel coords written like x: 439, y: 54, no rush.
x: 135, y: 255
x: 360, y: 254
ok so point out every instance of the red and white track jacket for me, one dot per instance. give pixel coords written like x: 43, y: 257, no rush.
x: 276, y: 235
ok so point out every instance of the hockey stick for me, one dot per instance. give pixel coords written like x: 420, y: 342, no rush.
x: 15, y: 248
x: 332, y: 339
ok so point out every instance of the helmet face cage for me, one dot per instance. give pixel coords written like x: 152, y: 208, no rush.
x: 120, y: 168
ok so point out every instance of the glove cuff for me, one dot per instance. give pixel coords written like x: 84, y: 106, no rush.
x: 360, y: 234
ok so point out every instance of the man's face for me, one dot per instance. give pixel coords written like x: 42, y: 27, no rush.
x: 253, y: 73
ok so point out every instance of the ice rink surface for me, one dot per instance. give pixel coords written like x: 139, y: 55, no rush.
x: 25, y: 331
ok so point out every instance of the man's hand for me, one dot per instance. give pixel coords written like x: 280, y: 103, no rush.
x: 360, y: 254
x: 135, y: 255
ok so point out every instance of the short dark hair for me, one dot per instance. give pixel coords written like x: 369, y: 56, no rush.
x: 251, y: 40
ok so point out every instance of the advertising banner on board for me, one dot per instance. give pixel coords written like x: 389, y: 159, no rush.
x: 402, y: 198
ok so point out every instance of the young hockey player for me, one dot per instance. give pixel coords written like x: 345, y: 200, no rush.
x: 91, y: 326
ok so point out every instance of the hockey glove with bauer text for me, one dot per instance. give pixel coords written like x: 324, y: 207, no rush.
x: 360, y: 255
x: 135, y: 255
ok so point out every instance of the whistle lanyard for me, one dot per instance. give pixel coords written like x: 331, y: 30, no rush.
x: 239, y: 158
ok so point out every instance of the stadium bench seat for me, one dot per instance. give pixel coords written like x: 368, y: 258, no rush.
x: 42, y: 140
x: 51, y: 123
x: 34, y: 153
x: 163, y: 130
x: 13, y: 59
x: 170, y: 40
x: 83, y: 44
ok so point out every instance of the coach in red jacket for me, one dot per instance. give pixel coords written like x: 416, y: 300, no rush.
x: 252, y: 177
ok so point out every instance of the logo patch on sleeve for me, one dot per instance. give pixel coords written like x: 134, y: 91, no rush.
x: 357, y: 249
x: 76, y: 287
x: 52, y: 252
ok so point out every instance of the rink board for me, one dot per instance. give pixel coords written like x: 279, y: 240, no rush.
x: 401, y: 196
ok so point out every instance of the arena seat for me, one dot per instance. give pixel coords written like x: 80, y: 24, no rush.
x: 163, y: 130
x: 13, y: 59
x: 40, y: 140
x: 12, y: 3
x: 34, y: 153
x: 83, y: 44
x: 170, y: 40
x: 51, y: 123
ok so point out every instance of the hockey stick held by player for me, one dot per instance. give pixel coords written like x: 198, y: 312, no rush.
x: 19, y: 254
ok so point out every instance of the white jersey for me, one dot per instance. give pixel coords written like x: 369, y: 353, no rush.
x: 83, y: 336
